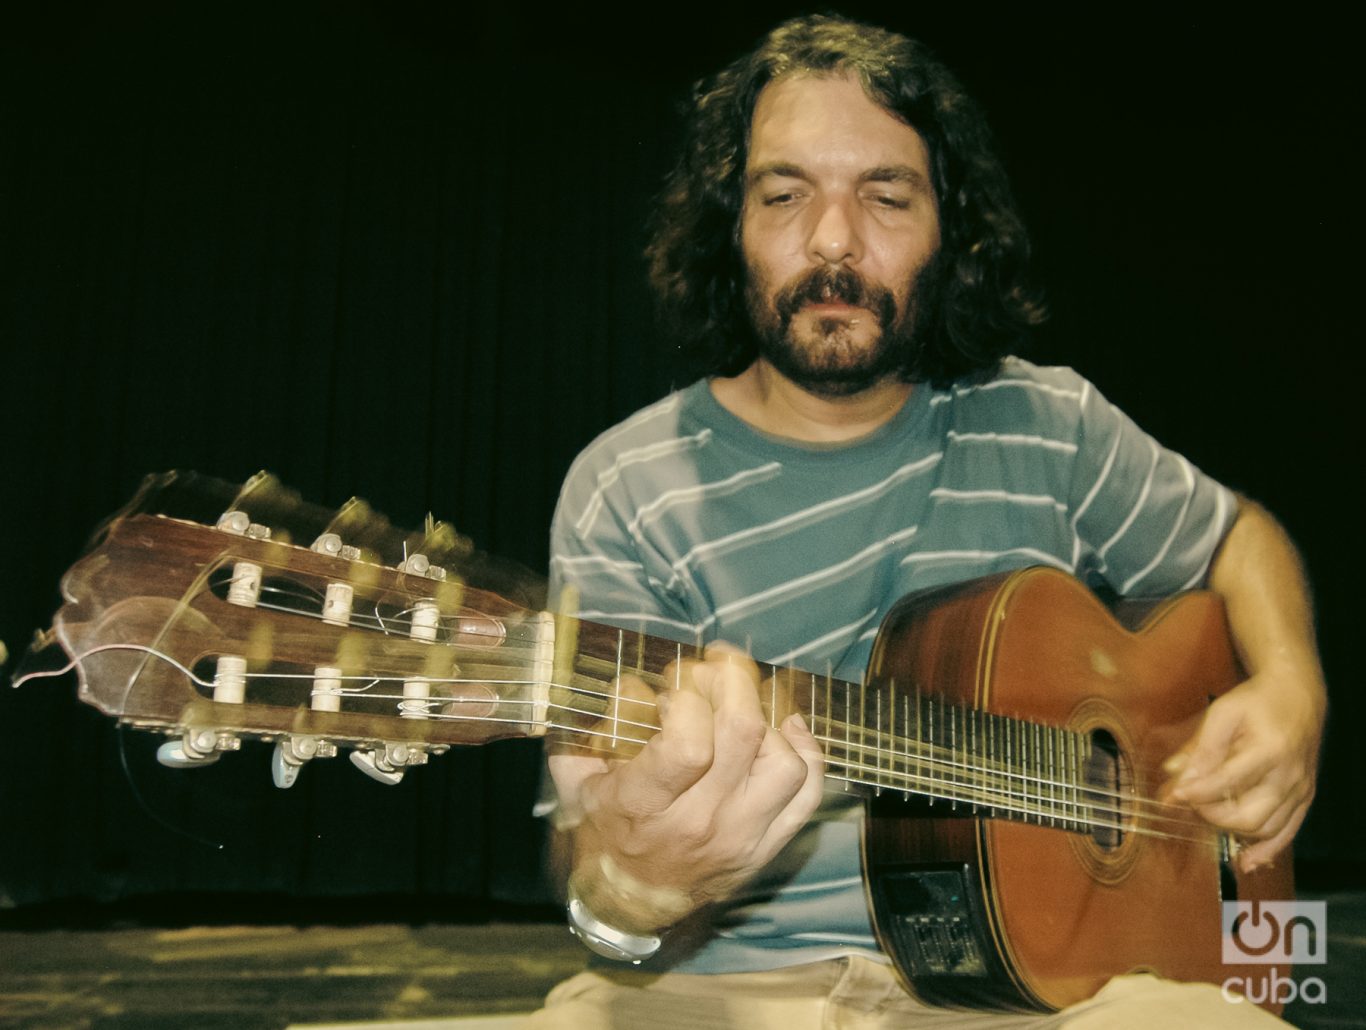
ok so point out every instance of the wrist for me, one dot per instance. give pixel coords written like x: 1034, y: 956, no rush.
x: 624, y: 902
x: 607, y: 940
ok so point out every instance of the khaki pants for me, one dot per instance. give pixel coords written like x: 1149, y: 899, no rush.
x: 858, y: 994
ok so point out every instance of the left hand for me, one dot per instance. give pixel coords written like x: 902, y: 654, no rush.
x: 1251, y: 766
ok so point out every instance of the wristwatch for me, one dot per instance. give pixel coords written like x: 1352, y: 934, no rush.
x: 608, y: 941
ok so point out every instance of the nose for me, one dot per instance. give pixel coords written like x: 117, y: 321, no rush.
x: 834, y: 238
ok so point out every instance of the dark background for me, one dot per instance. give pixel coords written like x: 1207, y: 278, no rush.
x: 394, y: 250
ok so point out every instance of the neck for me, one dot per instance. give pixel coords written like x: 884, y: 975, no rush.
x: 770, y: 402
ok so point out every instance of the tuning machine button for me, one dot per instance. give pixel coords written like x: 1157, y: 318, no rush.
x: 290, y: 754
x: 420, y: 565
x: 388, y: 762
x: 239, y: 523
x: 331, y: 543
x: 197, y: 748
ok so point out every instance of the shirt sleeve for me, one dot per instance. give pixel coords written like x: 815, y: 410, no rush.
x: 1147, y: 522
x: 602, y: 571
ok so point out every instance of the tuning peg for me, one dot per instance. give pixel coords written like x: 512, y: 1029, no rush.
x: 388, y: 762
x: 290, y: 754
x: 420, y: 565
x: 196, y: 748
x: 331, y: 543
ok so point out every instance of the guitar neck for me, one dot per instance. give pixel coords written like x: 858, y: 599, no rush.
x: 185, y: 628
x: 877, y: 737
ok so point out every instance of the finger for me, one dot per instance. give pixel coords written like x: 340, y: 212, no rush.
x: 1212, y: 743
x: 1245, y: 813
x: 672, y: 762
x: 740, y: 729
x: 1266, y: 852
x: 569, y: 773
x: 807, y: 798
x: 1238, y: 773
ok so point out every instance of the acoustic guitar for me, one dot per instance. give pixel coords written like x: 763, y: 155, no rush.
x: 1008, y: 734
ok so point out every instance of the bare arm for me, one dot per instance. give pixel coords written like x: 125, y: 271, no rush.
x: 1251, y: 767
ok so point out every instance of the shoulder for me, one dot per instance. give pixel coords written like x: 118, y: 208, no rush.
x: 654, y: 424
x: 1021, y: 397
x: 649, y: 442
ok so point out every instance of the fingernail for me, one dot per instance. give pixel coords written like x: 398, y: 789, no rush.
x: 1174, y: 764
x: 795, y: 721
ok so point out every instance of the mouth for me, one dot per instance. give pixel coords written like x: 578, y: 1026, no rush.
x: 831, y: 307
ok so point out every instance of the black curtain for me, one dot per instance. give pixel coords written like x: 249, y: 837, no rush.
x: 394, y: 250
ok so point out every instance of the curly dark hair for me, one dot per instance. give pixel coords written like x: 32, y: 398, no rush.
x: 975, y: 306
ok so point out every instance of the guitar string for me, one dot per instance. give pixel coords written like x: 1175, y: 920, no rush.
x: 921, y: 754
x: 453, y: 626
x: 1017, y: 803
x: 1048, y: 806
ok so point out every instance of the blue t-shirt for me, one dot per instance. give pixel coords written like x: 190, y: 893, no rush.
x: 686, y: 522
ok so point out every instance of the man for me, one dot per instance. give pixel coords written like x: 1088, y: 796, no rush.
x: 839, y: 242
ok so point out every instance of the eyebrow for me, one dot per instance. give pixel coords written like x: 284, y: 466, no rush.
x: 901, y: 174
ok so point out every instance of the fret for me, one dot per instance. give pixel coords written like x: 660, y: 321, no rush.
x: 906, y: 746
x: 862, y: 722
x: 848, y: 729
x: 990, y: 762
x: 1022, y: 743
x: 773, y: 697
x: 953, y: 759
x: 616, y: 711
x: 877, y: 757
x: 1050, y: 735
x: 1072, y: 792
x: 1088, y: 811
x: 933, y: 746
x: 891, y: 748
x: 1037, y: 773
x: 829, y: 703
x: 919, y: 742
x: 974, y: 738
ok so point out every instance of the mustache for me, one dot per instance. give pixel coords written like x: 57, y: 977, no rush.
x: 828, y: 285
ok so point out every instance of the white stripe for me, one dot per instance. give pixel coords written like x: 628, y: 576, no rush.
x: 1133, y: 512
x: 1100, y: 480
x: 1214, y: 534
x: 817, y: 511
x: 870, y: 553
x: 650, y: 452
x: 700, y: 491
x: 599, y: 560
x: 1043, y: 556
x: 1014, y: 438
x: 996, y: 384
x: 823, y: 641
x: 662, y: 407
x: 1137, y: 577
x: 996, y: 495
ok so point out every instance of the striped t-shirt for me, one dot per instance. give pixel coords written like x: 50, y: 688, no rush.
x: 686, y: 522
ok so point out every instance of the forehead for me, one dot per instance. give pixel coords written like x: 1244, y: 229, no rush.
x: 806, y: 118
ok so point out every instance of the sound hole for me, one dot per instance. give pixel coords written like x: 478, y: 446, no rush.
x: 1104, y: 779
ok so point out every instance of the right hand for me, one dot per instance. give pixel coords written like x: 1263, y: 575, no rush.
x: 705, y: 805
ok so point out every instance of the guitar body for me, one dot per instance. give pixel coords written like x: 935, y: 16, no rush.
x: 1020, y: 915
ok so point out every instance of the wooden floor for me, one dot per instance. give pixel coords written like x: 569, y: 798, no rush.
x: 270, y: 977
x: 432, y: 977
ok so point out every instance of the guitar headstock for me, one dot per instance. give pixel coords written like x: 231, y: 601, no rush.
x: 280, y: 621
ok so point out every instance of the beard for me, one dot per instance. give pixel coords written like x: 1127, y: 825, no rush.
x: 837, y: 355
